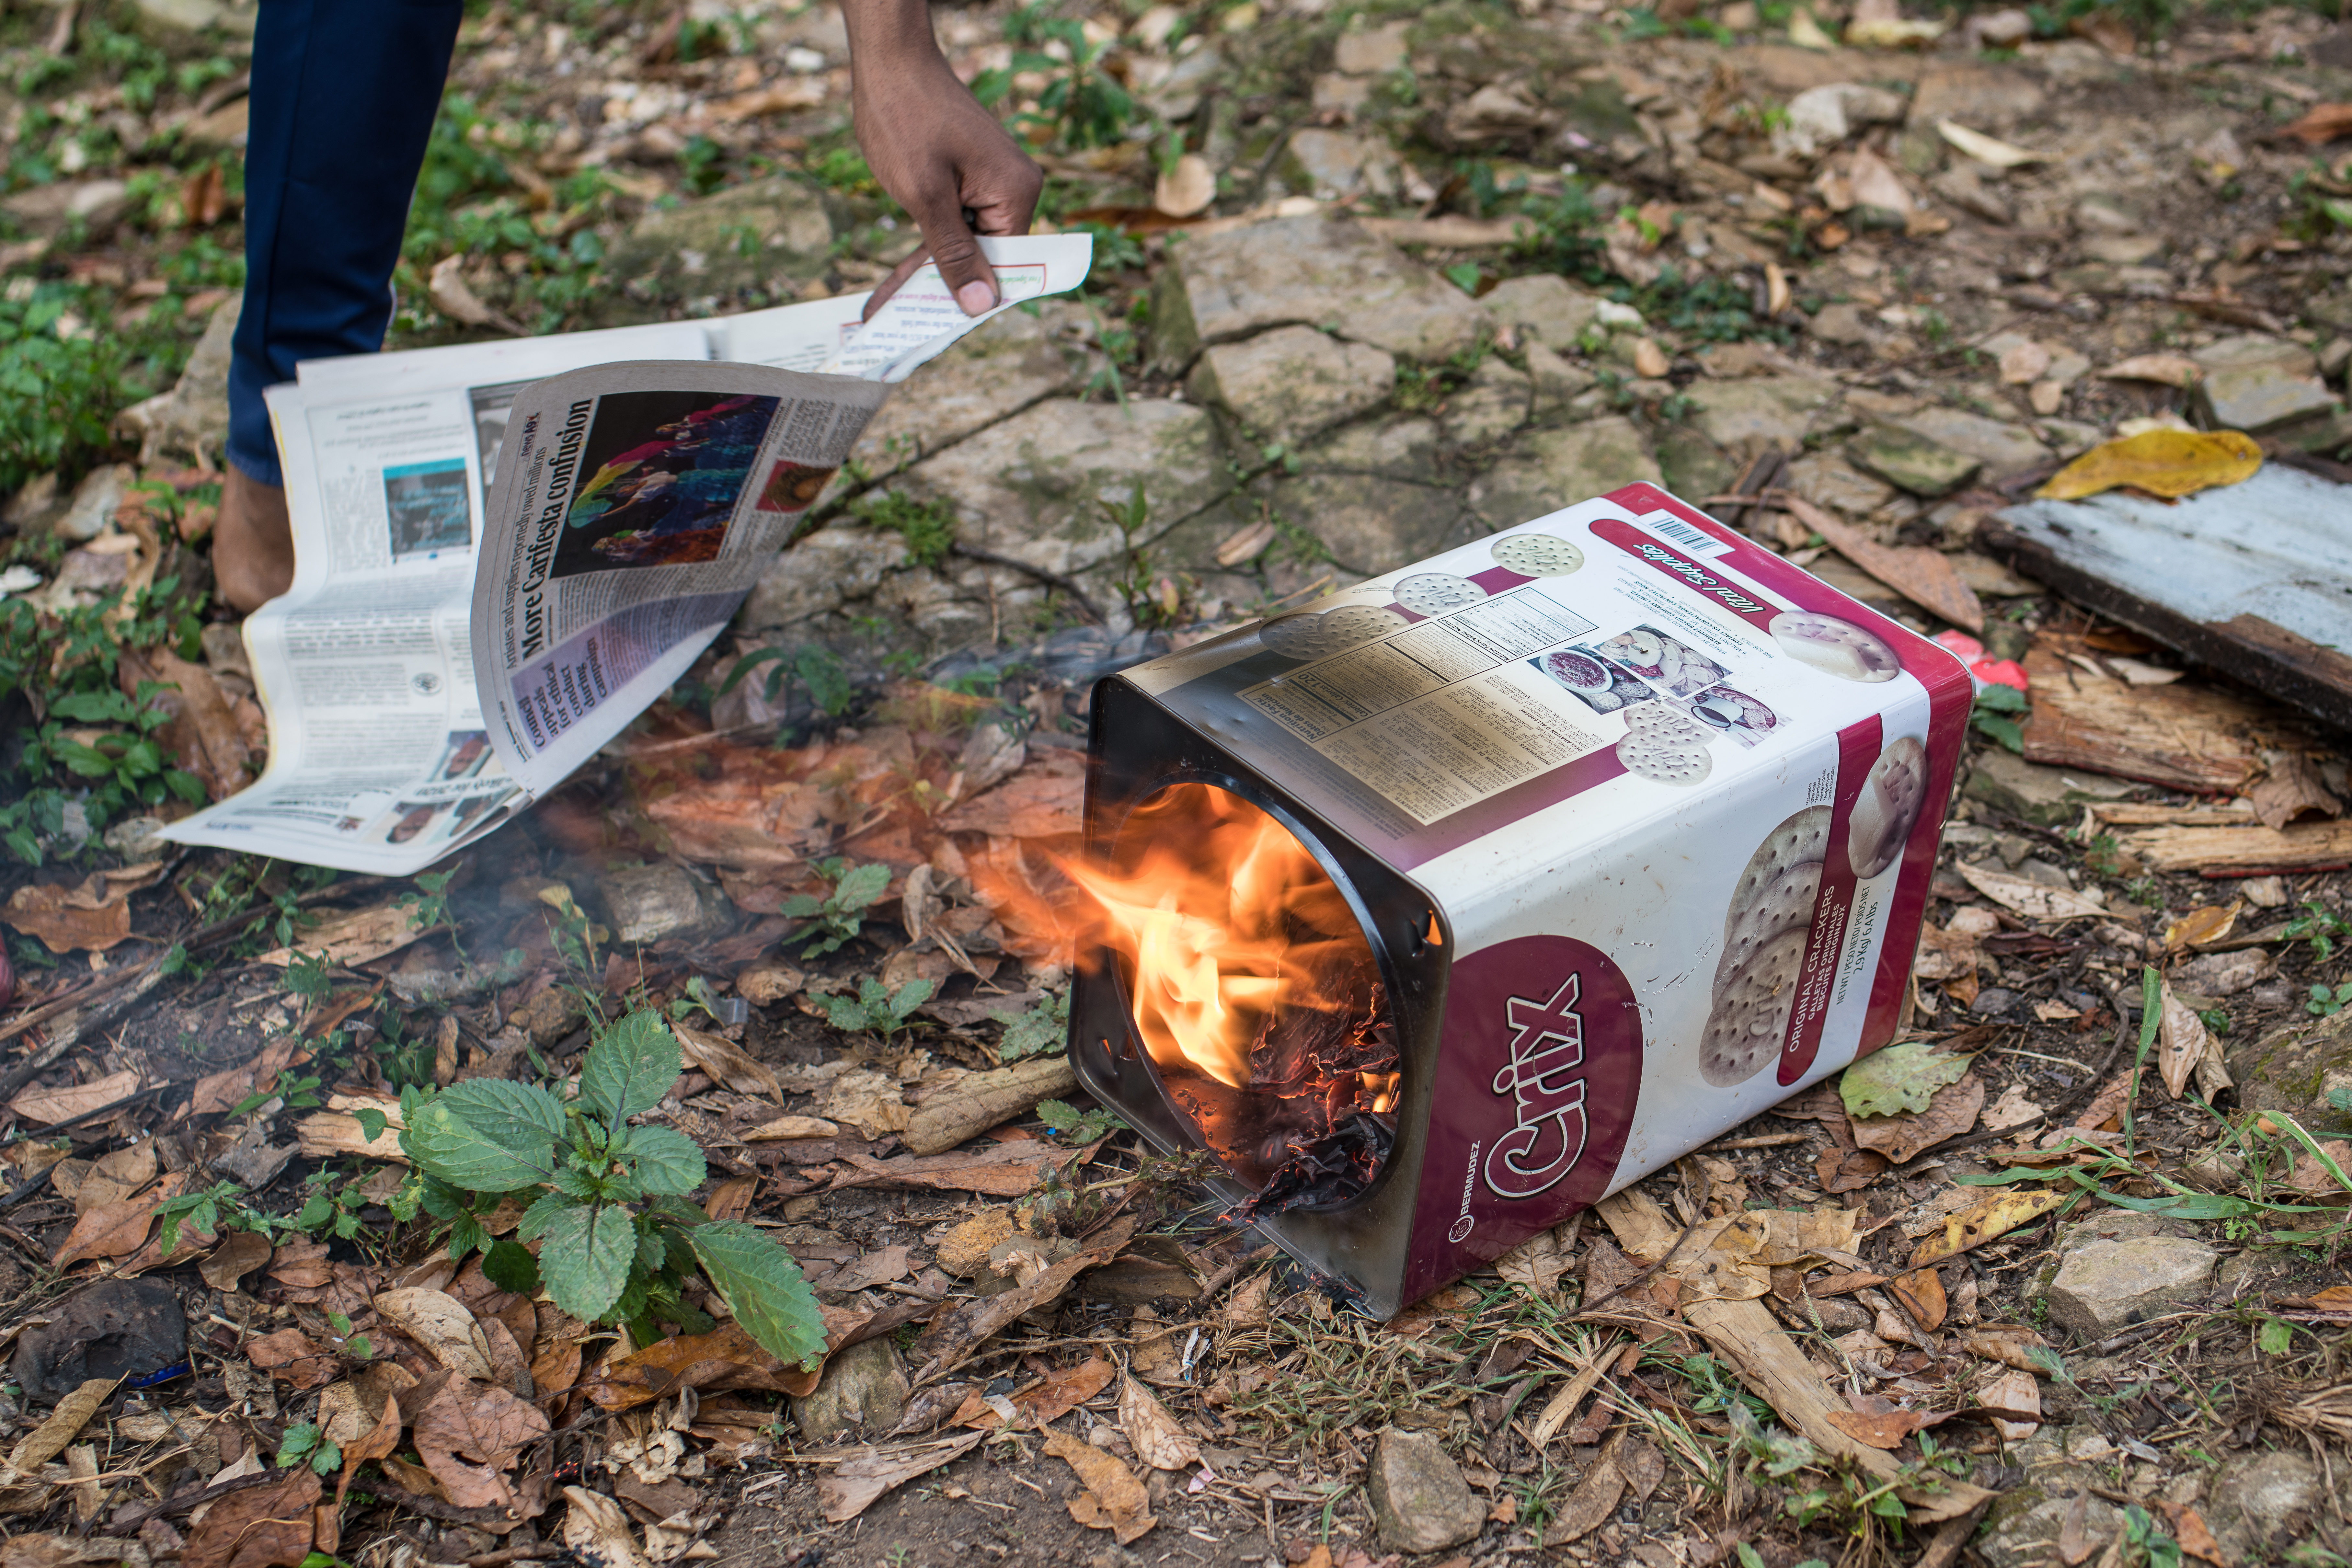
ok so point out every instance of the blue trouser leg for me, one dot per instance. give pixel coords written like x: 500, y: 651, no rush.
x: 344, y: 93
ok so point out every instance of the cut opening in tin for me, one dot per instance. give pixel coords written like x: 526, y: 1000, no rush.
x: 1254, y: 993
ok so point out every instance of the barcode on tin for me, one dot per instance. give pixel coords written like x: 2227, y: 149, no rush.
x: 1691, y: 538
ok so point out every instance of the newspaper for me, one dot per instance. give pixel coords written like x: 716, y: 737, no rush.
x: 504, y: 552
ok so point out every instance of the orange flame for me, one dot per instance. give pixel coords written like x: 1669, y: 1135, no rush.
x: 1226, y: 920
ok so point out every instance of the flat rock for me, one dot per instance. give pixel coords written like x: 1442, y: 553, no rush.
x: 1028, y: 487
x: 2251, y: 351
x: 863, y: 1386
x: 1307, y: 271
x: 1741, y: 416
x: 1372, y: 524
x: 1370, y: 51
x: 97, y: 205
x: 1910, y: 462
x: 1553, y: 469
x: 2299, y: 1069
x: 2022, y: 1527
x: 1420, y: 1500
x: 838, y: 564
x: 2262, y: 1501
x: 1328, y: 164
x: 2261, y: 397
x: 1491, y: 404
x: 1980, y: 96
x: 2005, y: 450
x: 2045, y: 796
x: 1292, y: 383
x: 2225, y: 974
x: 750, y: 235
x: 116, y: 1327
x: 1401, y: 447
x: 1691, y: 467
x: 192, y: 417
x: 1558, y: 380
x: 646, y: 903
x: 1827, y: 480
x: 1012, y: 362
x: 1542, y: 306
x: 2110, y: 1285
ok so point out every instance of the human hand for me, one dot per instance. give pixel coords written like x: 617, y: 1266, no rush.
x: 931, y: 144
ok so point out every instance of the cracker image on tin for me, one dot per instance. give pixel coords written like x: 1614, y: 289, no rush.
x: 1892, y: 793
x: 1834, y: 646
x: 1319, y: 634
x: 1596, y: 682
x: 1435, y: 592
x: 1764, y: 934
x: 1663, y: 659
x: 1665, y: 761
x: 1536, y: 556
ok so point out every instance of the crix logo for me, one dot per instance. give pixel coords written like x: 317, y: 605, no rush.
x: 1545, y: 1079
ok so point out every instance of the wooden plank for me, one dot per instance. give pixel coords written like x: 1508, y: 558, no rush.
x: 2240, y: 851
x: 2249, y: 578
x: 2181, y: 736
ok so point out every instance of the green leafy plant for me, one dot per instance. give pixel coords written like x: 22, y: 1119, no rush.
x: 835, y: 920
x: 2326, y: 1003
x: 928, y: 527
x: 2319, y: 925
x: 330, y: 1210
x: 1082, y: 104
x: 819, y: 671
x: 1998, y: 716
x: 877, y: 1007
x: 429, y: 906
x: 306, y: 1443
x: 350, y: 1343
x: 1044, y: 1027
x: 607, y: 1199
x: 1075, y: 1125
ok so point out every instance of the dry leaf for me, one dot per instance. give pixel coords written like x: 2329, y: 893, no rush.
x: 2168, y: 463
x: 290, y: 1354
x: 111, y: 1230
x: 267, y: 1527
x: 2188, y: 1528
x: 2293, y: 788
x: 863, y: 1272
x: 1986, y: 149
x: 2169, y: 370
x: 377, y: 1445
x: 1984, y: 1221
x: 91, y: 916
x: 48, y: 1440
x: 1114, y: 1499
x: 1881, y: 1429
x: 1049, y: 1400
x: 440, y: 1323
x: 596, y: 1530
x: 725, y: 1358
x: 239, y: 1254
x: 1537, y: 1264
x: 486, y: 1424
x: 45, y: 1105
x: 2010, y: 1347
x: 1926, y: 577
x: 1156, y: 1436
x: 1950, y: 1112
x: 1921, y: 1294
x: 2014, y: 1391
x: 357, y: 937
x: 2182, y: 1042
x: 2024, y: 896
x: 1587, y: 1508
x: 847, y: 1489
x: 1849, y: 1169
x: 724, y: 1061
x: 792, y: 1127
x: 2321, y: 123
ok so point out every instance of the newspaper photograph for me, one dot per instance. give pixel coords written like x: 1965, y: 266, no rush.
x: 415, y: 703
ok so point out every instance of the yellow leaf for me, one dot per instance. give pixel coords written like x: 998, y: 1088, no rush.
x: 1981, y: 1222
x: 2170, y: 463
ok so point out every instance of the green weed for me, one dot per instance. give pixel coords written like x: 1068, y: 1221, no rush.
x: 835, y: 920
x: 877, y: 1008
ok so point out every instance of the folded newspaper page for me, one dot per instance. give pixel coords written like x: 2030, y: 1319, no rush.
x: 620, y: 491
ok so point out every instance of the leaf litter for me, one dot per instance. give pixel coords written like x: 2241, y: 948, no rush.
x: 1879, y: 1300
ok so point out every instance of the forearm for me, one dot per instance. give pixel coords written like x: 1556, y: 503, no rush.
x: 890, y: 35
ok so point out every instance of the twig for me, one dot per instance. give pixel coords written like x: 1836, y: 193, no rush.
x: 1050, y: 579
x: 432, y: 1508
x: 1944, y: 1549
x: 1588, y: 1308
x: 171, y: 1507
